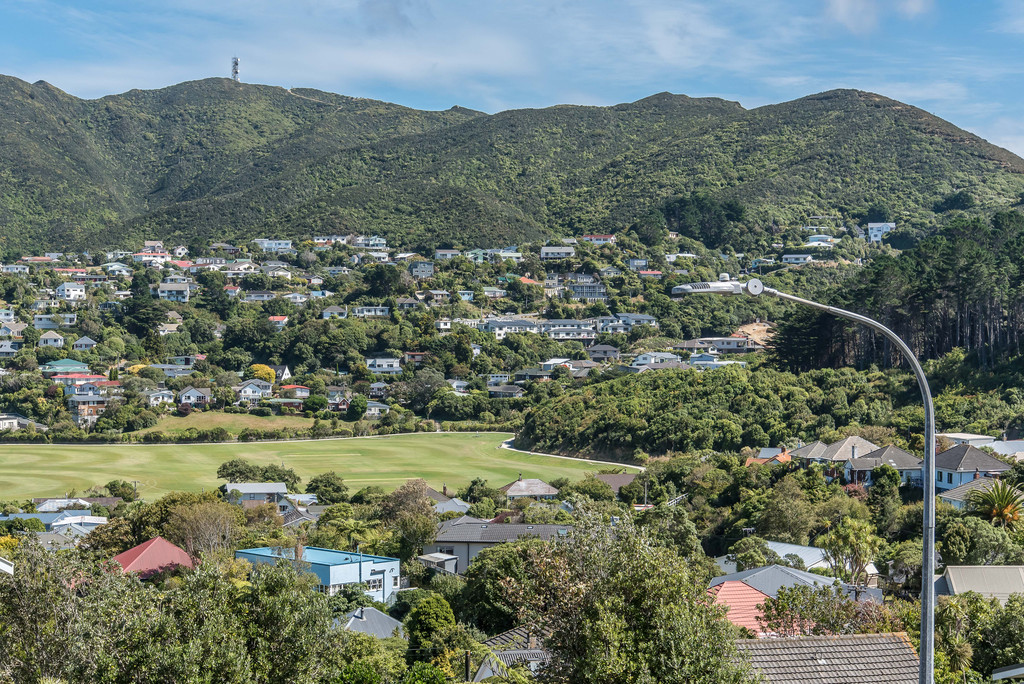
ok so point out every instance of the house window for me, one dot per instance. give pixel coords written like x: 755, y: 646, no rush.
x: 375, y: 584
x: 395, y: 581
x: 450, y: 550
x: 949, y: 478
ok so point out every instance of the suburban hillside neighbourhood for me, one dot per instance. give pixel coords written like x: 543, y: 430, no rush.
x: 777, y: 506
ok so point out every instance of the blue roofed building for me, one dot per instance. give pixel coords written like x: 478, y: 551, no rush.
x: 336, y: 569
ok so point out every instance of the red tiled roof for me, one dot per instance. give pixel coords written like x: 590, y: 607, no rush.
x: 152, y: 557
x: 278, y: 318
x: 741, y: 600
x: 528, y: 281
x: 294, y: 387
x: 77, y: 376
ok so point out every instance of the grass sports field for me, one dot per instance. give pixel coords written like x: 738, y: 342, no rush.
x: 452, y: 458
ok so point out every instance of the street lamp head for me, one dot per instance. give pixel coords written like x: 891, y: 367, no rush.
x: 723, y: 286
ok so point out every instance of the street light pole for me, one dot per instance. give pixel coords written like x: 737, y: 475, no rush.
x: 755, y: 288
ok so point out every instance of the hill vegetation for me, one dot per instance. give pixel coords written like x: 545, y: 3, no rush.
x: 213, y: 159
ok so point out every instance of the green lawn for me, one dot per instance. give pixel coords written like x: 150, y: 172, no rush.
x: 451, y: 458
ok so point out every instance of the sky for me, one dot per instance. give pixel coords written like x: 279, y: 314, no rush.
x: 962, y: 60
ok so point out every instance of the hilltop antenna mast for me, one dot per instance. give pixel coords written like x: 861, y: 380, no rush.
x: 234, y: 69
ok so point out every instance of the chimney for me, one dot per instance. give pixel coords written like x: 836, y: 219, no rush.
x: 520, y: 477
x: 531, y: 642
x: 853, y: 451
x: 976, y: 474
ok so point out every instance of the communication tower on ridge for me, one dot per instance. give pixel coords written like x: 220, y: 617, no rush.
x: 234, y: 69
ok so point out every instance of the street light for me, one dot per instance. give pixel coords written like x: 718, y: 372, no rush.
x: 755, y: 288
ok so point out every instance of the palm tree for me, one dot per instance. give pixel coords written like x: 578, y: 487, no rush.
x: 999, y: 502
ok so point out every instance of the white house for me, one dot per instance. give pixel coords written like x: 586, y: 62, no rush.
x: 174, y: 292
x: 275, y: 246
x: 384, y: 366
x: 371, y: 311
x: 375, y: 409
x: 71, y: 292
x: 557, y: 252
x: 195, y: 396
x: 797, y: 259
x: 647, y: 358
x: 599, y: 239
x: 51, y: 338
x: 446, y: 254
x: 157, y: 397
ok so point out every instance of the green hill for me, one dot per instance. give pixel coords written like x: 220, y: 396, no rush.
x: 215, y: 159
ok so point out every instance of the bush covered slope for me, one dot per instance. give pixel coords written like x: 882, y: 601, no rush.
x: 216, y: 159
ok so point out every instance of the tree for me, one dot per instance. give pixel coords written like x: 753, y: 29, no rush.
x: 1000, y: 503
x: 617, y: 608
x: 804, y: 610
x: 204, y: 528
x: 120, y: 488
x: 329, y: 488
x: 753, y: 552
x: 239, y: 470
x: 314, y: 402
x: 884, y: 498
x: 484, y: 595
x: 973, y: 541
x: 428, y: 618
x: 849, y: 549
x: 356, y: 408
x: 261, y: 371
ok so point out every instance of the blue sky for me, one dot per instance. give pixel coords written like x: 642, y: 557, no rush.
x: 960, y: 59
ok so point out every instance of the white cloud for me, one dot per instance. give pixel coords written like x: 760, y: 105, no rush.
x: 859, y: 16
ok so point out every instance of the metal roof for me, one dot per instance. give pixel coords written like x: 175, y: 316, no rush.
x: 479, y: 531
x: 373, y: 622
x: 991, y: 581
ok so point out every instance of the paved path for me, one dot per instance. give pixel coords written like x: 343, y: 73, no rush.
x: 507, y: 444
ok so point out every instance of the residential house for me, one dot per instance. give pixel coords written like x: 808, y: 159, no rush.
x: 506, y: 392
x: 963, y: 463
x: 13, y: 329
x: 494, y: 292
x: 648, y: 358
x: 843, y: 659
x: 15, y: 269
x: 9, y: 349
x: 529, y: 488
x: 858, y: 470
x: 518, y: 648
x: 71, y: 292
x: 297, y: 298
x: 281, y: 373
x: 466, y: 537
x: 172, y: 370
x: 632, y: 320
x: 83, y: 344
x: 375, y: 409
x: 371, y: 311
x: 297, y: 391
x: 557, y: 252
x: 334, y: 311
x: 839, y: 452
x: 603, y: 353
x: 278, y: 322
x: 599, y: 239
x: 195, y: 396
x: 990, y: 581
x: 63, y: 366
x: 797, y: 259
x: 253, y: 494
x: 51, y: 338
x: 770, y: 578
x: 446, y: 254
x: 967, y: 438
x: 251, y: 391
x: 501, y: 327
x: 157, y: 397
x: 174, y: 292
x: 637, y: 264
x: 273, y: 246
x: 153, y: 557
x: 616, y: 480
x: 960, y: 497
x: 336, y: 569
x: 254, y: 296
x: 876, y: 231
x: 384, y: 365
x: 86, y: 409
x: 53, y: 321
x: 371, y: 242
x: 369, y: 620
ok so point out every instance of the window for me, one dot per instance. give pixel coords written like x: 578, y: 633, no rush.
x: 949, y: 478
x: 450, y: 550
x: 395, y: 581
x: 374, y: 584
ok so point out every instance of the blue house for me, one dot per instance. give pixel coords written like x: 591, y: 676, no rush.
x: 335, y: 569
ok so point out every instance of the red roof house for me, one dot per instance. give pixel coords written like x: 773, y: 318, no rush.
x: 742, y: 601
x: 153, y: 557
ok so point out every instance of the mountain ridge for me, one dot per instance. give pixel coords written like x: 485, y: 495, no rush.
x: 214, y: 159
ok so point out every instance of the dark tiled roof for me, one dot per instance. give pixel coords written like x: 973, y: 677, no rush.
x: 966, y: 458
x: 373, y: 622
x: 963, y: 492
x: 483, y: 532
x: 890, y: 455
x: 616, y: 480
x: 808, y: 451
x: 517, y: 637
x: 849, y: 659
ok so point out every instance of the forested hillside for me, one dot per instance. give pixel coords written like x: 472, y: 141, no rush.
x: 213, y: 159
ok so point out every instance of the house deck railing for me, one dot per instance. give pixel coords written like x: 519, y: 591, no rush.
x: 6, y: 566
